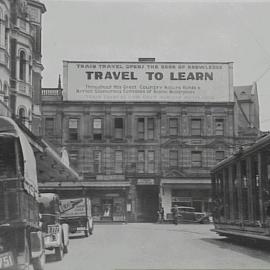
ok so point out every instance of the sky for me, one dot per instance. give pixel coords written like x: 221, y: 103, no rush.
x: 176, y: 31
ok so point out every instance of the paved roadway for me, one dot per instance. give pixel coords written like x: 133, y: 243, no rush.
x: 158, y: 246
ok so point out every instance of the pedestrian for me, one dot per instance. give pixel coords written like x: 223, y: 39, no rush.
x: 175, y: 215
x: 161, y: 212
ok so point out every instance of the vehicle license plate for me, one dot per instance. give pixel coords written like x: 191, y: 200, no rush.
x: 6, y: 260
x: 52, y: 229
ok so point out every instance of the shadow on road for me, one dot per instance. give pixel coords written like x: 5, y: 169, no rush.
x: 258, y: 250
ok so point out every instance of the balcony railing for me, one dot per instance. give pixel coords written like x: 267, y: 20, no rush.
x: 51, y: 92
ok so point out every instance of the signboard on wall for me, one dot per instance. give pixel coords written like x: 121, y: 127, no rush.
x: 142, y: 81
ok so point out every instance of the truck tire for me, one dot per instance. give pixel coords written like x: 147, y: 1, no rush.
x: 86, y: 232
x: 59, y: 253
x: 39, y: 263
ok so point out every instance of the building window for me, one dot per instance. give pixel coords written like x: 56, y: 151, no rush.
x: 73, y: 158
x: 195, y: 127
x: 150, y: 128
x: 97, y: 129
x: 219, y: 127
x: 49, y: 127
x: 73, y: 125
x: 173, y: 126
x: 219, y: 156
x: 118, y: 128
x: 173, y: 158
x: 22, y: 73
x: 141, y: 161
x: 141, y: 128
x: 196, y: 159
x: 151, y: 161
x: 97, y: 161
x: 22, y: 115
x: 118, y: 161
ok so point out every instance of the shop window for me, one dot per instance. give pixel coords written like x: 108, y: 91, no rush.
x: 196, y: 127
x: 22, y: 70
x: 118, y: 161
x: 173, y: 158
x: 196, y: 159
x: 97, y: 129
x: 151, y: 161
x: 219, y: 156
x: 150, y: 128
x: 173, y: 126
x: 140, y: 125
x: 141, y: 161
x: 219, y: 127
x: 118, y: 128
x: 49, y: 126
x: 97, y: 161
x: 73, y: 125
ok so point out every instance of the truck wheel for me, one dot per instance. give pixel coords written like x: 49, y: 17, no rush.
x: 86, y: 232
x: 59, y: 253
x: 39, y: 263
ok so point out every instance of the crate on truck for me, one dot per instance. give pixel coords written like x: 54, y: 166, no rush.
x: 21, y: 240
x: 76, y: 212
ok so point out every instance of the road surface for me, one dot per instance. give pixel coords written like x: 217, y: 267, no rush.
x: 158, y: 246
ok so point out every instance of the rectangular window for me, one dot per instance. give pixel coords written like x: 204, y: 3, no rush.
x: 150, y: 128
x: 219, y: 127
x: 141, y: 161
x: 219, y: 156
x: 73, y: 125
x: 140, y: 125
x: 49, y: 127
x: 173, y: 158
x: 196, y: 127
x: 118, y: 128
x: 97, y: 161
x: 173, y: 126
x: 97, y: 129
x: 151, y: 161
x: 196, y: 159
x: 118, y: 161
x: 73, y: 158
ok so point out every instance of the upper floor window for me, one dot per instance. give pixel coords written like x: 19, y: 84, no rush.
x: 219, y: 156
x: 97, y: 161
x: 22, y: 115
x: 173, y: 126
x: 146, y: 128
x: 73, y: 125
x: 151, y: 161
x: 219, y: 127
x: 49, y: 126
x: 73, y: 158
x: 118, y: 161
x: 173, y: 158
x: 22, y: 71
x: 196, y: 159
x: 196, y: 127
x: 141, y: 162
x: 97, y: 129
x: 118, y: 128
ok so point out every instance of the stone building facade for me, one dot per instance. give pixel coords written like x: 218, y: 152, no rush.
x: 136, y: 157
x: 20, y: 61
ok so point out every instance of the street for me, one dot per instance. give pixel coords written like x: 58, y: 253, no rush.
x: 158, y: 246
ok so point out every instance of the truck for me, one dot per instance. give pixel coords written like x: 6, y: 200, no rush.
x: 56, y: 234
x: 76, y: 212
x: 21, y: 238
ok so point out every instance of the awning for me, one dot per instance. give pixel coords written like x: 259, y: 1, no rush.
x: 83, y: 184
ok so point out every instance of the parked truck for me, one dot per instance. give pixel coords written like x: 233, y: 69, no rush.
x: 21, y: 238
x: 56, y: 234
x: 76, y: 212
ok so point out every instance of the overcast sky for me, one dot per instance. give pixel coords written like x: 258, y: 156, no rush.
x: 175, y: 31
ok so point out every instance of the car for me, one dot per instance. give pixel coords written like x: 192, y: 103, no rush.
x: 188, y: 214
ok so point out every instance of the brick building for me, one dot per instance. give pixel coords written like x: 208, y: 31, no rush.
x: 144, y: 143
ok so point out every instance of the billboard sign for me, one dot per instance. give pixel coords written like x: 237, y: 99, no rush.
x: 148, y: 81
